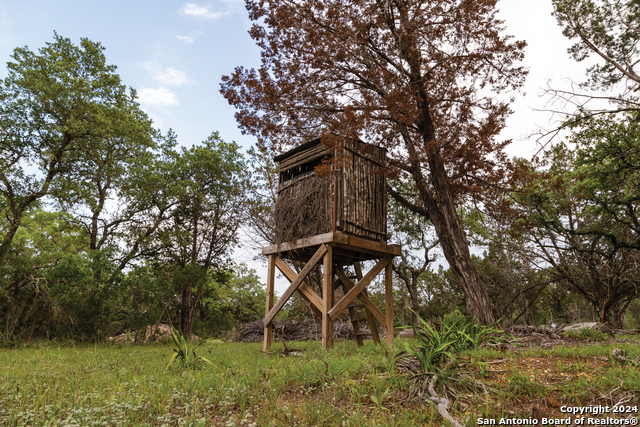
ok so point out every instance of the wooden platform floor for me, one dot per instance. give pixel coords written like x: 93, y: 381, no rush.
x: 347, y: 249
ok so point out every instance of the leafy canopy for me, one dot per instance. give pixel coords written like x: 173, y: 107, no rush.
x: 608, y: 30
x: 59, y: 108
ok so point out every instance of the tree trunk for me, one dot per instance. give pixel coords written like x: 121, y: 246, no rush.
x: 618, y: 319
x: 456, y: 246
x: 17, y: 209
x: 528, y: 310
x: 619, y: 313
x: 601, y: 312
x: 441, y: 203
x: 441, y: 211
x: 415, y: 303
x: 410, y: 284
x: 185, y: 310
x: 11, y: 232
x: 415, y: 306
x: 189, y: 301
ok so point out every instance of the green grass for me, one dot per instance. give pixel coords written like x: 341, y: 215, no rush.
x: 587, y: 334
x: 127, y: 385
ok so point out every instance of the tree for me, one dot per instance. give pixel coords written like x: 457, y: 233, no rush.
x: 566, y: 233
x: 49, y: 286
x: 99, y: 190
x: 607, y: 171
x: 148, y: 198
x: 59, y: 109
x: 235, y: 296
x: 261, y: 195
x: 418, y: 77
x: 519, y: 285
x: 40, y: 243
x: 412, y: 231
x: 609, y: 31
x: 208, y: 184
x: 604, y: 178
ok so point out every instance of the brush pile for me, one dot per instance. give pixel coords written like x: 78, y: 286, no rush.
x: 289, y: 330
x: 149, y: 334
x: 303, y: 208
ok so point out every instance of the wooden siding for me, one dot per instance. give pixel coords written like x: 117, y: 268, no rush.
x: 362, y: 207
x: 304, y: 157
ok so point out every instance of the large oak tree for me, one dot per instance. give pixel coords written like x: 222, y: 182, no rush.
x: 588, y: 241
x: 419, y: 77
x: 208, y: 185
x: 68, y: 128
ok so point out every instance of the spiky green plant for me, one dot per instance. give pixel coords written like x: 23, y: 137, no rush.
x: 473, y: 335
x: 185, y: 353
x: 432, y: 347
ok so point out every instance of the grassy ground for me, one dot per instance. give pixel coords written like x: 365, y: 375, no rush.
x: 127, y: 385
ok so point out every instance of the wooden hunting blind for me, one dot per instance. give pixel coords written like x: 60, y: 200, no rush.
x: 352, y: 199
x: 339, y: 219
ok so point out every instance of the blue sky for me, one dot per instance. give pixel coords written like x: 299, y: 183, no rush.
x: 175, y: 52
x: 172, y: 53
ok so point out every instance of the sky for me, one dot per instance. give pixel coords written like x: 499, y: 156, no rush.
x: 175, y: 52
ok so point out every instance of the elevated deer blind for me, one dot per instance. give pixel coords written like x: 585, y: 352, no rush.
x: 335, y: 221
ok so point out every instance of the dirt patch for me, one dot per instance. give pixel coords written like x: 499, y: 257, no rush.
x: 548, y: 372
x: 536, y: 387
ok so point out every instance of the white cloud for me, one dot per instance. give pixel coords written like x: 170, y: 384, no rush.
x: 168, y: 76
x: 186, y: 39
x: 203, y: 12
x: 157, y: 97
x: 171, y: 76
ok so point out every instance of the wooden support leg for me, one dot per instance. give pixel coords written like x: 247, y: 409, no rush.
x: 353, y: 315
x: 362, y: 284
x: 388, y: 299
x: 294, y: 285
x: 327, y: 299
x: 271, y: 276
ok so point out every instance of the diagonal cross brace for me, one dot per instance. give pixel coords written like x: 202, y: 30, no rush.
x: 294, y: 285
x: 361, y: 296
x: 306, y: 290
x: 355, y: 291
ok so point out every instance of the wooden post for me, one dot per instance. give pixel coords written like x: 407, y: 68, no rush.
x: 388, y: 299
x: 271, y: 276
x: 327, y: 299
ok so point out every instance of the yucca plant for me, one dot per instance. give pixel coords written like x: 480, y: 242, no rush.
x: 433, y: 346
x: 185, y: 352
x: 474, y: 335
